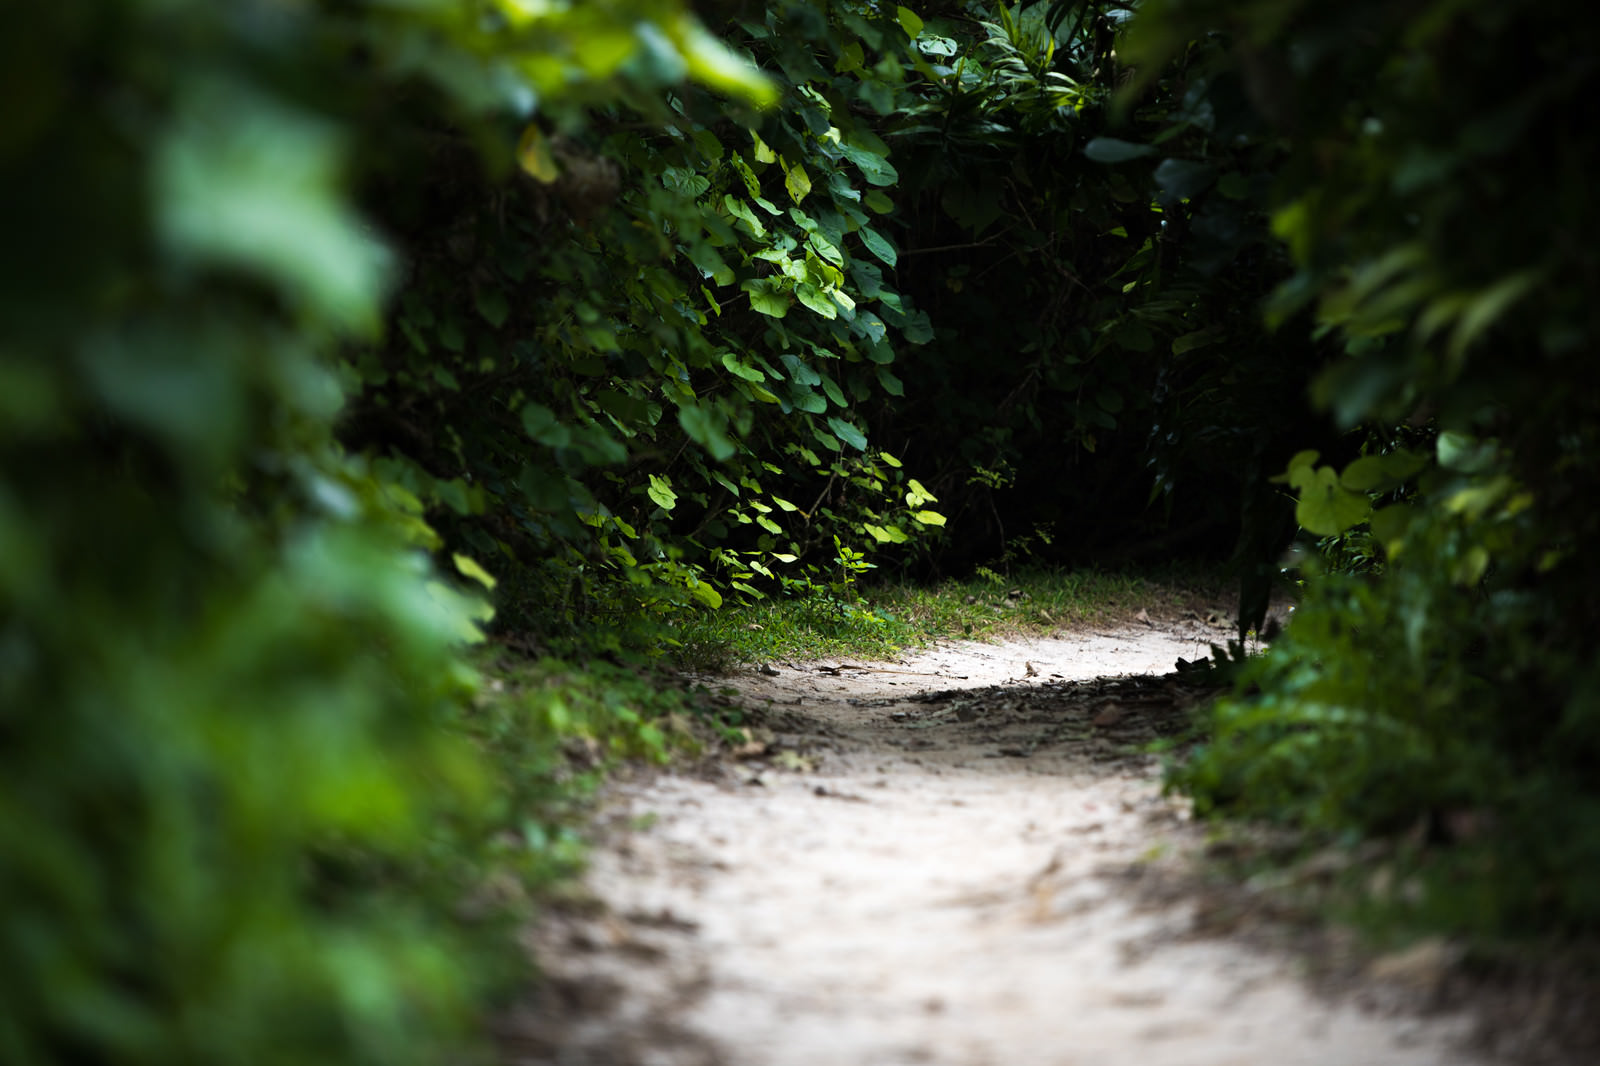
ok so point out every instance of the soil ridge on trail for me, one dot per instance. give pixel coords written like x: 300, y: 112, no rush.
x: 953, y: 859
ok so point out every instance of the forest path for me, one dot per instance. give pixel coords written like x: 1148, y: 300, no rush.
x: 957, y: 859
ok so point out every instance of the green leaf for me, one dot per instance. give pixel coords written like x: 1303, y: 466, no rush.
x: 928, y: 518
x: 535, y: 157
x: 741, y: 211
x: 244, y: 182
x: 1325, y: 507
x: 799, y: 372
x: 706, y: 594
x: 469, y: 567
x: 831, y: 387
x: 710, y: 263
x: 717, y: 66
x: 686, y: 180
x: 796, y: 180
x: 909, y: 22
x: 826, y: 249
x: 878, y: 245
x: 709, y: 144
x: 1301, y: 461
x: 752, y: 184
x: 707, y: 428
x: 1469, y: 569
x: 1182, y: 179
x: 1112, y: 150
x: 817, y: 300
x: 918, y: 328
x: 807, y: 400
x: 1390, y: 525
x: 873, y: 166
x: 1488, y: 306
x: 542, y: 425
x: 768, y: 301
x: 870, y: 326
x: 848, y: 433
x: 492, y: 306
x: 758, y: 392
x: 660, y: 492
x: 741, y: 369
x: 1381, y: 473
x: 1466, y: 454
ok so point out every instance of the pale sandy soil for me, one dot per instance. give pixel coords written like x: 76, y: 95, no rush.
x: 958, y: 859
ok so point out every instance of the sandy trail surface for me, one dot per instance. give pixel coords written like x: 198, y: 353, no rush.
x: 957, y: 859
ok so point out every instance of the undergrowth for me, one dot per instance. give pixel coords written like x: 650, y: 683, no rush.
x: 878, y: 622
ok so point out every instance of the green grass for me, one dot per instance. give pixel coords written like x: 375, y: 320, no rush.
x: 882, y: 621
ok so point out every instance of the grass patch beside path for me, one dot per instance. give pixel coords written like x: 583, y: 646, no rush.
x: 550, y: 728
x: 883, y: 621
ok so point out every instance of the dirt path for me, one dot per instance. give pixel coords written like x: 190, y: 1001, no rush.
x: 953, y: 860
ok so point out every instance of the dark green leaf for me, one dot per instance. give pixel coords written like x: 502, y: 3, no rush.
x: 1112, y: 150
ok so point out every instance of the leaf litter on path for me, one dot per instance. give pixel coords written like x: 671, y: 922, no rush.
x: 960, y: 859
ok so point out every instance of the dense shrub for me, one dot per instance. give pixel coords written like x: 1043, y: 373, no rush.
x: 1440, y: 671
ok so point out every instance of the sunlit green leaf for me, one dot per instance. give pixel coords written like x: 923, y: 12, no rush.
x: 796, y: 180
x: 661, y: 493
x: 470, y: 568
x: 817, y: 300
x: 741, y: 369
x: 767, y: 300
x: 534, y: 155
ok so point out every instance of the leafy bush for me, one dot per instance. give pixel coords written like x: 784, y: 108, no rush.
x: 1449, y: 682
x: 239, y: 795
x: 627, y: 374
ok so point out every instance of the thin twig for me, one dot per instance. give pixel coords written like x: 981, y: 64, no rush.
x: 956, y: 247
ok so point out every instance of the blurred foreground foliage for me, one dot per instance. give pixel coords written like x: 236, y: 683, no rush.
x: 248, y: 799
